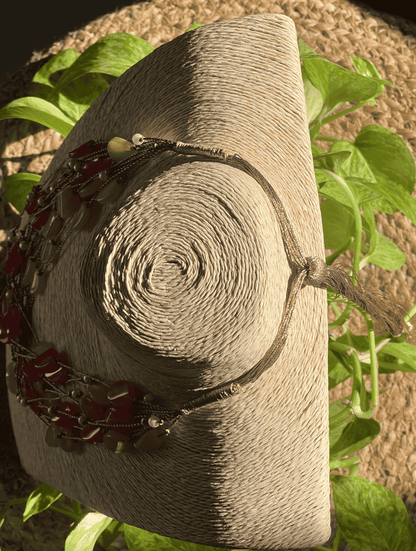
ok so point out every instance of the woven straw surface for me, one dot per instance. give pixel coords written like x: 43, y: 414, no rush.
x: 337, y: 29
x: 185, y: 279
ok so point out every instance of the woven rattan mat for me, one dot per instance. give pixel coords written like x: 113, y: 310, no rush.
x: 337, y: 30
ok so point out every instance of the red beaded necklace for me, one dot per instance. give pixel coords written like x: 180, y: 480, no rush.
x: 117, y: 415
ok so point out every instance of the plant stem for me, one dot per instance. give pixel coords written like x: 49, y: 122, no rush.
x: 66, y: 512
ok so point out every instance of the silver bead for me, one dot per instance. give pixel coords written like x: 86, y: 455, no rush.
x: 76, y: 393
x: 87, y: 380
x: 52, y: 410
x: 23, y: 401
x: 103, y: 176
x: 82, y: 420
x: 154, y: 421
x: 138, y: 139
x: 42, y: 201
x: 149, y: 398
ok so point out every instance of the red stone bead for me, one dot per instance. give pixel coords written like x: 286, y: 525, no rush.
x: 119, y: 416
x: 51, y: 436
x: 14, y: 260
x: 92, y: 409
x: 151, y: 440
x: 59, y: 376
x: 92, y: 434
x: 123, y: 392
x: 44, y: 362
x: 67, y: 408
x: 85, y: 149
x: 98, y: 393
x: 94, y: 167
x: 117, y: 441
x: 10, y: 326
x: 41, y: 219
x: 32, y: 374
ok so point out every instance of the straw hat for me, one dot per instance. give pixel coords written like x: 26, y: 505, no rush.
x: 180, y: 286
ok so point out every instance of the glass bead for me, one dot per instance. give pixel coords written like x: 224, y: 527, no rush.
x: 6, y: 302
x: 51, y: 436
x: 14, y: 260
x: 110, y: 193
x: 90, y: 189
x: 41, y: 219
x: 86, y: 218
x: 69, y: 445
x: 92, y: 434
x: 122, y: 393
x: 117, y: 441
x: 10, y: 326
x: 43, y: 390
x: 119, y: 149
x: 68, y: 203
x: 53, y: 227
x: 29, y: 272
x: 38, y: 285
x: 98, y: 393
x: 11, y: 378
x: 48, y: 251
x: 92, y: 409
x: 151, y: 440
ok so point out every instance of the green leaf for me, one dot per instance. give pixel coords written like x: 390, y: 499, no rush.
x: 141, y: 540
x: 111, y: 533
x: 336, y: 84
x: 338, y: 224
x: 40, y: 500
x: 60, y: 61
x: 84, y: 535
x: 40, y: 111
x: 330, y: 161
x: 112, y: 55
x: 367, y: 69
x: 370, y: 516
x: 381, y: 156
x: 18, y: 186
x: 194, y: 26
x: 352, y: 437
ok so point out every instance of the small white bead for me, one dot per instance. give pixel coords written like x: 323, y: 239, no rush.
x: 154, y: 421
x: 138, y: 139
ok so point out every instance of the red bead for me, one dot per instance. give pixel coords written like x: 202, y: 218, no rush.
x: 98, y: 393
x: 120, y: 416
x: 59, y: 376
x: 44, y: 362
x: 67, y: 408
x: 94, y: 411
x: 94, y: 167
x: 10, y: 326
x: 117, y: 441
x: 6, y: 303
x: 123, y: 392
x: 92, y: 433
x: 32, y: 374
x: 85, y: 149
x: 41, y: 219
x: 151, y: 440
x: 14, y: 260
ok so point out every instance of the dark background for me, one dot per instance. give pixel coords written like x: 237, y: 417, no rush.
x: 29, y: 26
